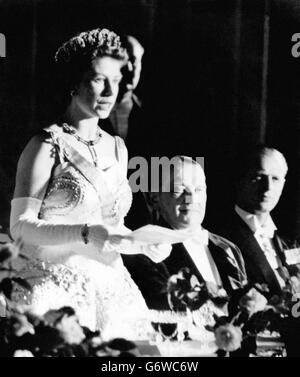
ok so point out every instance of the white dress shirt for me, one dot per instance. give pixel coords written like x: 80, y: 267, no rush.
x: 263, y: 234
x: 197, y: 247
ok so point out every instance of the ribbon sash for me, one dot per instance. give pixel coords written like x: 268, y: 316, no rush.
x: 87, y: 169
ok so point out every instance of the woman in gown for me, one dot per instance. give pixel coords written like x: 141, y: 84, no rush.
x: 71, y: 197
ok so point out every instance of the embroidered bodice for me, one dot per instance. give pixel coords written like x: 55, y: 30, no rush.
x: 77, y: 195
x: 71, y: 197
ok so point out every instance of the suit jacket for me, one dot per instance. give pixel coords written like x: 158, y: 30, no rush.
x: 257, y: 266
x: 152, y: 277
x: 226, y: 256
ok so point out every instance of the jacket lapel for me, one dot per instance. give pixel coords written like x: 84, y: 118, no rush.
x: 180, y: 258
x: 279, y: 247
x: 257, y: 265
x: 226, y: 264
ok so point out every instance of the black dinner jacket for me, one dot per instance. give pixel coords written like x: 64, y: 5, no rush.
x: 257, y: 266
x: 152, y: 277
x: 226, y: 256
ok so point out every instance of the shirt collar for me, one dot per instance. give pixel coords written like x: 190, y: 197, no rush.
x: 253, y: 222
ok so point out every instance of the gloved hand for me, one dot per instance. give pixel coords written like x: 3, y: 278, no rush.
x: 126, y: 245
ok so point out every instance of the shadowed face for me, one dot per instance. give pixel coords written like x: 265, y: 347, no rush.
x: 132, y: 71
x: 260, y: 190
x: 97, y: 92
x: 183, y: 206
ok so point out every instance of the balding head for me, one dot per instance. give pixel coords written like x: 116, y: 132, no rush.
x: 134, y: 48
x: 182, y: 198
x: 261, y: 180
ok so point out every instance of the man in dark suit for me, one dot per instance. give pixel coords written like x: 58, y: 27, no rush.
x: 261, y: 178
x: 125, y: 117
x: 180, y: 204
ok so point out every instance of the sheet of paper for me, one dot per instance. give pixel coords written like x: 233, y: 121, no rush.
x: 155, y: 234
x: 292, y: 256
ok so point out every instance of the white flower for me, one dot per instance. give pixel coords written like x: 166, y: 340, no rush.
x: 22, y: 353
x: 70, y: 330
x: 95, y: 341
x: 253, y: 302
x: 228, y: 337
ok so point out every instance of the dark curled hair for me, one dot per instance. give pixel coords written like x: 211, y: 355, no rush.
x: 75, y: 56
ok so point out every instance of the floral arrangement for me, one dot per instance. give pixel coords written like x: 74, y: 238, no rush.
x: 55, y: 334
x: 237, y: 326
x: 251, y: 317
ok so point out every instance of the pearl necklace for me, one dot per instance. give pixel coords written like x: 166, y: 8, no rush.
x: 89, y: 143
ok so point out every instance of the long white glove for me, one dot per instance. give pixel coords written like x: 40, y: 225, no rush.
x: 25, y: 224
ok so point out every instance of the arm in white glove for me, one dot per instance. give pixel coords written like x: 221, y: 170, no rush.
x: 25, y: 224
x: 34, y: 172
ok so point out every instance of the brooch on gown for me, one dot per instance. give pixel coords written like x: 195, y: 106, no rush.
x: 64, y: 194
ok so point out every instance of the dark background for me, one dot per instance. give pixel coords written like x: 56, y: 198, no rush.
x: 218, y: 75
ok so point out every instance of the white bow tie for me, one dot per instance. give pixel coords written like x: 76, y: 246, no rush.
x: 201, y: 237
x: 265, y: 232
